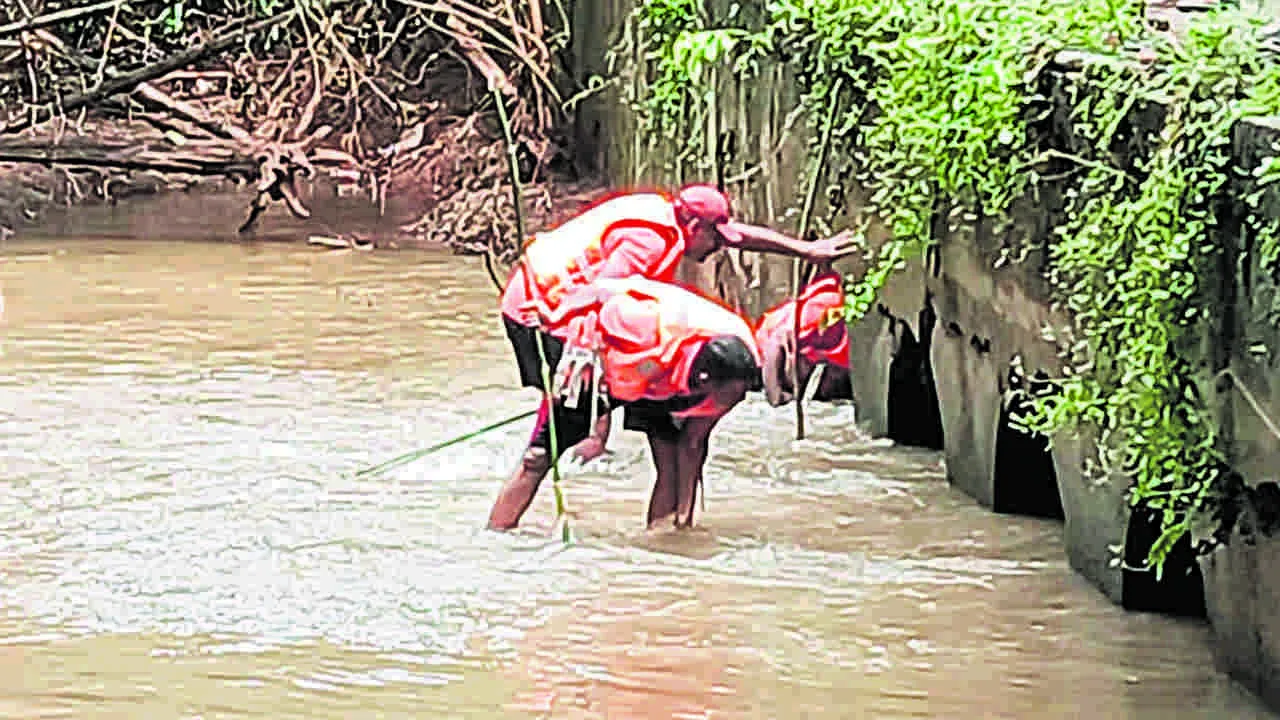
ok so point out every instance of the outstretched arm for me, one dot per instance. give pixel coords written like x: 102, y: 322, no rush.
x: 763, y: 239
x: 594, y: 446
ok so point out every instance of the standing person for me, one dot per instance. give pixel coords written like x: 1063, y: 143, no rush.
x: 824, y: 340
x: 640, y: 233
x: 677, y: 360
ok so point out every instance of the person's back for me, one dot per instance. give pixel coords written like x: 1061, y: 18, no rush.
x: 649, y: 333
x: 575, y: 253
x: 823, y: 339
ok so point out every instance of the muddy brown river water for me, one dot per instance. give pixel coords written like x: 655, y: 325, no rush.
x: 181, y: 534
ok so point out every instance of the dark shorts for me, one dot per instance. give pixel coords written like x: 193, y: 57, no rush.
x: 574, y: 425
x: 524, y: 342
x: 653, y: 417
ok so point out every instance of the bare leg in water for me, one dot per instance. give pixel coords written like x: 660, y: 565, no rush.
x: 663, y: 501
x: 679, y: 462
x: 694, y: 445
x: 518, y: 492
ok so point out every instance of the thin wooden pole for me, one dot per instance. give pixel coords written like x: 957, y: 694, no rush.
x: 797, y: 275
x: 517, y: 194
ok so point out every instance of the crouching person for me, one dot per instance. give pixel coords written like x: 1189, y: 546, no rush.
x: 823, y: 341
x: 676, y: 361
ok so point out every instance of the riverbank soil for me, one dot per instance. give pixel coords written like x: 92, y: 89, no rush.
x: 431, y: 196
x: 29, y: 190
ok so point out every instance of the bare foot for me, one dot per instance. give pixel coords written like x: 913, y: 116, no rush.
x: 666, y: 522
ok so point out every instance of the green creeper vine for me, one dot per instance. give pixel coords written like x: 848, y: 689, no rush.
x: 943, y: 126
x: 672, y: 88
x: 1129, y: 264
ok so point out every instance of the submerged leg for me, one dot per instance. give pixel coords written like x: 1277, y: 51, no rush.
x: 663, y: 501
x: 519, y: 490
x: 693, y: 447
x: 572, y: 426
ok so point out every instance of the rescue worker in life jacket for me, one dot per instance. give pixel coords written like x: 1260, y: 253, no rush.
x: 824, y: 343
x: 824, y: 340
x: 641, y: 233
x: 676, y: 360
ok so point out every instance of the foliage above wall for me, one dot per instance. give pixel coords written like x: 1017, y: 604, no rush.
x: 940, y: 119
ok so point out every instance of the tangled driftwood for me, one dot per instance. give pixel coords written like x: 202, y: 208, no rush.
x: 372, y: 91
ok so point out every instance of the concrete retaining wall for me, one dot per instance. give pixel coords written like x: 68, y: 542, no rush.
x: 1242, y: 580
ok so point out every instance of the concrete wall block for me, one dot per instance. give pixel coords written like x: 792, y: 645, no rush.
x: 1254, y: 446
x: 1096, y: 516
x: 989, y: 314
x: 1242, y: 592
x: 872, y: 344
x: 1242, y: 584
x: 1252, y: 334
x: 969, y: 402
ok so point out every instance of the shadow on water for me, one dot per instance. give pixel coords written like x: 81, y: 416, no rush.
x: 181, y: 534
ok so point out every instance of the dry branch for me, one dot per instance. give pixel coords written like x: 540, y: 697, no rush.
x: 54, y: 18
x: 128, y: 81
x: 475, y: 52
x: 193, y: 114
x: 193, y: 159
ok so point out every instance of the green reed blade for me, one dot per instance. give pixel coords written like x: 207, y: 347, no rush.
x: 417, y: 454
